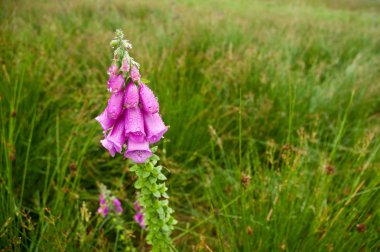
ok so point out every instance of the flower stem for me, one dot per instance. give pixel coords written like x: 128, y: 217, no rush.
x: 154, y: 200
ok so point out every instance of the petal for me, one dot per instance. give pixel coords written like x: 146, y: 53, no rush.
x: 105, y: 121
x: 138, y: 151
x: 116, y: 83
x: 154, y: 127
x: 117, y: 136
x: 115, y: 105
x: 131, y: 98
x: 148, y: 100
x: 134, y: 124
x: 135, y: 74
x: 109, y: 146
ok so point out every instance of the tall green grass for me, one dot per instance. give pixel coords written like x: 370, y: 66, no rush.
x: 274, y: 114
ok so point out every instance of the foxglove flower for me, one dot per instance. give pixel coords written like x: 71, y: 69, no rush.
x: 137, y: 207
x: 109, y: 146
x: 139, y: 217
x: 103, y: 208
x: 115, y: 105
x: 117, y: 205
x: 115, y: 140
x: 116, y: 83
x: 131, y: 97
x: 105, y: 121
x: 138, y: 151
x: 125, y: 66
x: 113, y: 70
x: 154, y: 127
x: 134, y: 124
x: 149, y: 101
x: 135, y: 74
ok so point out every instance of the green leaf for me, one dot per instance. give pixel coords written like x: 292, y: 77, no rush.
x: 161, y: 212
x: 164, y: 202
x: 165, y: 228
x: 161, y: 177
x: 145, y: 174
x: 134, y: 168
x: 162, y: 188
x: 145, y: 80
x: 157, y: 194
x: 138, y: 184
x: 149, y: 167
x: 155, y: 172
x: 152, y: 180
x: 145, y: 191
x: 153, y: 187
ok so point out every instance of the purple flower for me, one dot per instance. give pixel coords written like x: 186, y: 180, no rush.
x: 102, y: 200
x: 137, y: 206
x: 134, y: 124
x: 139, y: 218
x: 135, y: 74
x: 137, y: 151
x: 115, y: 105
x: 131, y: 97
x: 154, y: 127
x: 116, y: 83
x: 105, y: 121
x: 109, y: 146
x: 113, y: 70
x: 115, y: 140
x: 103, y: 208
x: 148, y: 99
x: 117, y: 204
x: 125, y: 66
x: 103, y: 211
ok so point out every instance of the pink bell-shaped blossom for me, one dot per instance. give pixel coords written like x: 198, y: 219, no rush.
x: 115, y: 105
x: 115, y: 140
x: 116, y: 83
x: 154, y: 127
x: 135, y: 74
x: 131, y: 97
x: 105, y: 121
x: 148, y: 100
x: 117, y: 205
x: 109, y: 146
x: 113, y: 70
x: 139, y: 218
x: 125, y: 66
x: 138, y: 151
x: 134, y: 124
x: 103, y: 208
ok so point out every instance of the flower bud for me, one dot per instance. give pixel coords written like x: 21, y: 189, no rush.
x: 135, y: 74
x: 116, y: 83
x: 114, y: 43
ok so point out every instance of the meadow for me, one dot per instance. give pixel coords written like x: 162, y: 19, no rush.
x: 274, y: 114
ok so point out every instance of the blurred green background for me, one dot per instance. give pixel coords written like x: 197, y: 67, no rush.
x: 274, y: 108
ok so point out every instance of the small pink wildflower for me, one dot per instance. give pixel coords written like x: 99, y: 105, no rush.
x: 135, y: 74
x: 125, y: 66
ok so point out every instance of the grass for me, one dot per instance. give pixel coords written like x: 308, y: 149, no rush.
x: 274, y: 114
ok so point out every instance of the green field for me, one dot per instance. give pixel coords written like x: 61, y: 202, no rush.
x: 274, y: 114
